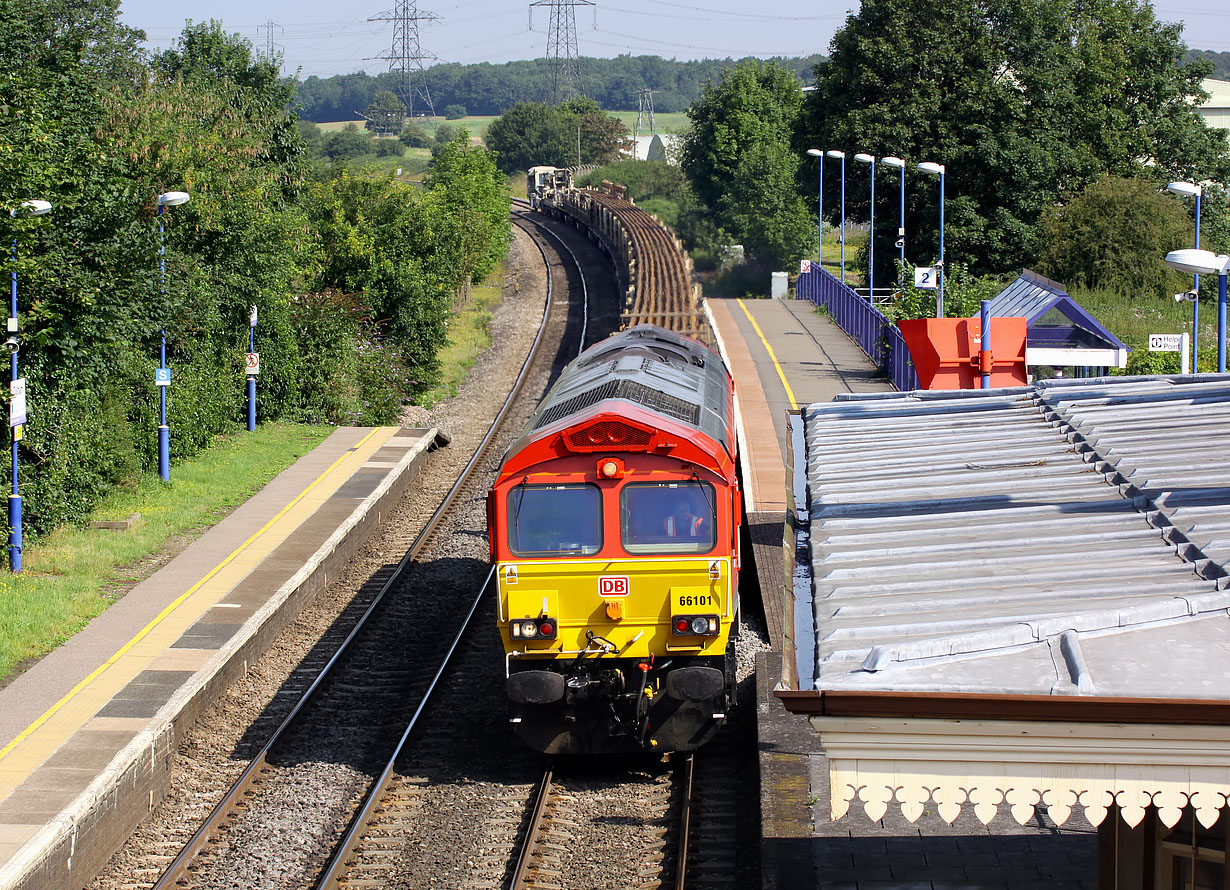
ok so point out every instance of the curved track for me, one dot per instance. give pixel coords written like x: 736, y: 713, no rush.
x: 355, y: 709
x: 652, y: 264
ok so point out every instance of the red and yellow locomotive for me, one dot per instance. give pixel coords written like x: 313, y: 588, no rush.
x: 614, y: 527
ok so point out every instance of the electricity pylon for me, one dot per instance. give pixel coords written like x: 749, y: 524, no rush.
x: 406, y: 57
x: 645, y: 109
x: 562, y: 47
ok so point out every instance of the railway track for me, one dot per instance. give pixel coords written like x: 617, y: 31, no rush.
x: 356, y: 709
x: 450, y: 809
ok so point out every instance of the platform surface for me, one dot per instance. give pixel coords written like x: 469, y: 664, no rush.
x: 75, y: 727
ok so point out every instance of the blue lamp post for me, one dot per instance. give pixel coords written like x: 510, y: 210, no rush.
x: 865, y: 158
x: 163, y: 378
x: 1205, y: 262
x: 817, y: 153
x: 23, y: 210
x: 252, y: 371
x: 1191, y: 190
x: 931, y: 167
x: 899, y: 165
x: 842, y: 156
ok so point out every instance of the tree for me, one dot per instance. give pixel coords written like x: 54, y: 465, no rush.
x: 1114, y: 235
x: 385, y: 114
x: 527, y: 134
x: 737, y: 157
x: 1024, y: 103
x: 763, y: 210
x: 532, y: 133
x: 454, y: 112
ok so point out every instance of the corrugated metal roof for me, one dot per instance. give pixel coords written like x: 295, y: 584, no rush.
x: 1033, y: 296
x: 1064, y: 538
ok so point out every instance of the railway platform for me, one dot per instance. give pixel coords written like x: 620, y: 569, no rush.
x: 87, y: 733
x: 783, y: 355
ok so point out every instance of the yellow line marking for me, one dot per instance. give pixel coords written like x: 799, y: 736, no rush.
x: 165, y: 613
x: 781, y: 374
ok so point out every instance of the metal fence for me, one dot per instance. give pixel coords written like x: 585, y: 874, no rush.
x: 875, y: 334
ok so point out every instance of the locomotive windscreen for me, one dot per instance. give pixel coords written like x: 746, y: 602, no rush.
x: 555, y: 519
x: 667, y: 518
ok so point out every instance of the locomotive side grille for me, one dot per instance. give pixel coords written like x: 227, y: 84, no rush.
x: 624, y: 389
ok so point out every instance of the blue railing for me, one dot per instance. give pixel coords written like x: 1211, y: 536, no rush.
x: 875, y: 334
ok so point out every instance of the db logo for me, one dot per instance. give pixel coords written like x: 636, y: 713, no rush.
x: 613, y: 585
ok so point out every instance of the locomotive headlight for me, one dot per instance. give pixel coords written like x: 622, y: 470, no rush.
x: 695, y: 625
x: 543, y: 628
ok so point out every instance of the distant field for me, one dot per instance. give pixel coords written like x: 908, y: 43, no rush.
x: 674, y: 122
x: 475, y: 126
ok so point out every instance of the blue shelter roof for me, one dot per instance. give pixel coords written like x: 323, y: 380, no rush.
x: 1052, y: 317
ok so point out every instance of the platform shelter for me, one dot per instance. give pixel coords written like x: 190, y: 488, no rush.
x: 1059, y: 333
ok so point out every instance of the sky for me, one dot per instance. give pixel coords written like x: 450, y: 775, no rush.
x: 327, y: 38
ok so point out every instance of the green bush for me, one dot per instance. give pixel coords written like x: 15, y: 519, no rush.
x: 389, y: 148
x: 1142, y: 361
x: 326, y: 325
x: 1115, y: 235
x: 454, y: 112
x: 86, y: 433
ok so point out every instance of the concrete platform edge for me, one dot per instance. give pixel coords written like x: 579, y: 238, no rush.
x: 748, y: 504
x: 69, y: 850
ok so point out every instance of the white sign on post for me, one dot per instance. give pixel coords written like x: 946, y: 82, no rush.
x: 17, y: 404
x: 252, y: 362
x: 1179, y: 343
x: 162, y: 376
x: 1165, y: 342
x: 924, y: 277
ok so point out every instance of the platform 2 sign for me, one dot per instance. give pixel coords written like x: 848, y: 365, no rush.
x: 924, y: 277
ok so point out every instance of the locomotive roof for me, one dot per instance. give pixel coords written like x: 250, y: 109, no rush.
x: 658, y: 370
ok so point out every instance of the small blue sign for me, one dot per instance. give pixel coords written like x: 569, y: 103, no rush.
x: 162, y: 377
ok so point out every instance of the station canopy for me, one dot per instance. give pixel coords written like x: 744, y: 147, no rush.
x: 1018, y: 598
x: 1059, y: 332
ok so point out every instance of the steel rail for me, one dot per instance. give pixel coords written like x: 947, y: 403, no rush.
x: 533, y: 831
x: 333, y: 875
x: 178, y: 868
x: 685, y: 823
x: 584, y: 287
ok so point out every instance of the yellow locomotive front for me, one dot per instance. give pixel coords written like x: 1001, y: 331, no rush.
x: 615, y: 538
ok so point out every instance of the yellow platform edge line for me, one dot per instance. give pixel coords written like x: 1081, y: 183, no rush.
x: 780, y: 373
x: 171, y: 607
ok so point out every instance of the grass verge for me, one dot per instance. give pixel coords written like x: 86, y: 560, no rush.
x: 468, y: 335
x: 73, y: 574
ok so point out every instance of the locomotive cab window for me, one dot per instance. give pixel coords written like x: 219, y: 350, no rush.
x: 676, y: 517
x: 558, y: 520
